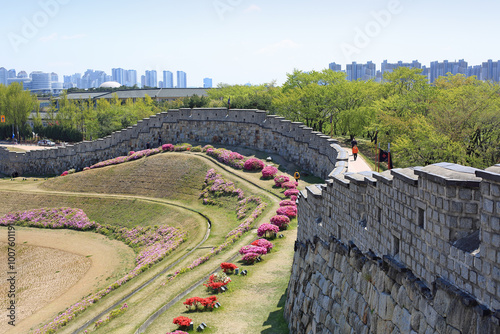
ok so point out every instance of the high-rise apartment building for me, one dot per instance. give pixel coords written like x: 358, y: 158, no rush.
x: 131, y: 78
x: 118, y: 75
x: 357, y: 71
x: 439, y: 69
x: 389, y: 67
x: 490, y: 71
x: 207, y: 83
x: 335, y: 67
x: 4, y: 75
x: 181, y: 79
x: 151, y: 79
x: 168, y: 79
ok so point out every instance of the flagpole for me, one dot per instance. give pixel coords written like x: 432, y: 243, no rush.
x: 389, y: 155
x: 378, y: 159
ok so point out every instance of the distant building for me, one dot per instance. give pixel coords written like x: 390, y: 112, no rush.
x: 130, y: 78
x: 151, y: 79
x: 168, y: 79
x: 389, y: 67
x: 22, y: 74
x: 207, y: 83
x: 439, y: 69
x: 41, y: 82
x: 143, y: 81
x: 12, y: 73
x: 357, y: 71
x: 335, y: 67
x: 4, y: 75
x: 490, y: 71
x: 181, y: 79
x: 118, y: 75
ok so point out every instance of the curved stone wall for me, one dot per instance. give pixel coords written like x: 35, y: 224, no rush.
x: 312, y: 151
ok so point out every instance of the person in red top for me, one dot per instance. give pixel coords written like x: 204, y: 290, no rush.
x: 355, y: 152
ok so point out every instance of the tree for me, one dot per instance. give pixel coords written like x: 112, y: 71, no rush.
x: 17, y: 104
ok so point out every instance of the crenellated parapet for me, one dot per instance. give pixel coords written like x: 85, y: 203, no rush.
x: 311, y: 151
x: 440, y: 224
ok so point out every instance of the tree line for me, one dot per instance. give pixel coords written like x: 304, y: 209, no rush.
x: 456, y: 119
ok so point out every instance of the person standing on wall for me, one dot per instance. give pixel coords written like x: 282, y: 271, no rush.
x: 354, y: 142
x: 355, y: 152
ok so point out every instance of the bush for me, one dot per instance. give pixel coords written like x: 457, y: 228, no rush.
x: 167, y: 147
x: 263, y: 243
x: 217, y: 281
x: 200, y: 304
x: 281, y: 221
x: 196, y: 149
x: 267, y: 230
x: 291, y: 192
x: 287, y: 203
x: 253, y: 164
x: 227, y: 267
x: 289, y: 211
x: 269, y: 172
x: 280, y: 179
x: 288, y: 185
x: 182, y: 321
x: 206, y: 147
x: 253, y: 249
x: 250, y: 258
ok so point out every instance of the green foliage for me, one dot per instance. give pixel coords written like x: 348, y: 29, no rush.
x: 16, y: 104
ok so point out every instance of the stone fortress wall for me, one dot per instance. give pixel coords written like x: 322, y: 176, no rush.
x: 311, y: 150
x: 413, y: 250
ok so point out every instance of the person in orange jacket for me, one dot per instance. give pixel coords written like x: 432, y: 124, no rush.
x: 355, y: 152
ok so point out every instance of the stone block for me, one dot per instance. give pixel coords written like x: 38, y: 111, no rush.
x: 386, y: 306
x: 402, y: 319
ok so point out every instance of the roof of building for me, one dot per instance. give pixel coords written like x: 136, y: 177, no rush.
x: 110, y: 84
x: 84, y: 95
x: 160, y: 93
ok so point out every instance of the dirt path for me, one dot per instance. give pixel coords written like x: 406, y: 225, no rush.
x: 100, y: 257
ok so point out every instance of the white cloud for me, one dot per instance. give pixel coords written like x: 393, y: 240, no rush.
x: 277, y: 47
x: 65, y: 37
x: 48, y: 38
x: 253, y: 8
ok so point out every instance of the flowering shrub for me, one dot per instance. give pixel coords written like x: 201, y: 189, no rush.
x: 196, y: 149
x: 289, y: 211
x: 288, y: 185
x: 216, y: 186
x: 177, y: 332
x: 253, y: 164
x: 130, y: 153
x: 131, y: 156
x: 182, y: 147
x: 243, y: 206
x: 281, y: 221
x: 113, y: 314
x: 217, y: 281
x: 269, y: 172
x: 291, y: 192
x: 167, y: 147
x: 250, y: 258
x: 153, y: 245
x: 227, y: 267
x: 206, y: 147
x: 65, y: 173
x: 267, y: 230
x: 200, y: 304
x: 253, y: 249
x: 293, y: 198
x: 280, y: 179
x: 287, y: 203
x: 182, y: 321
x: 227, y: 157
x: 86, y: 168
x: 263, y: 243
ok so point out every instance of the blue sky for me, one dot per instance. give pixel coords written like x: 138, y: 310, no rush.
x: 240, y: 41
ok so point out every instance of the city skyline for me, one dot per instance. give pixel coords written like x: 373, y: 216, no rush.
x: 247, y: 41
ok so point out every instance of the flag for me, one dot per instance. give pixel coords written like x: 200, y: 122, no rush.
x: 383, y: 155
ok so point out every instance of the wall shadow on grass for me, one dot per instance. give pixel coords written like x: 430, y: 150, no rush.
x: 277, y: 320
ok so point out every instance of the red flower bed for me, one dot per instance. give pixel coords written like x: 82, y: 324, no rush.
x: 227, y: 267
x: 217, y: 281
x: 182, y: 321
x: 200, y: 304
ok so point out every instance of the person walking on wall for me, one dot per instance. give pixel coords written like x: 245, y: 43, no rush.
x: 354, y: 142
x: 355, y: 152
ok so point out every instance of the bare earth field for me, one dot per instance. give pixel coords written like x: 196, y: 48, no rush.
x: 55, y: 268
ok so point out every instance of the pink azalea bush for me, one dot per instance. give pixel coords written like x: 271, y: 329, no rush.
x: 291, y: 192
x: 65, y: 173
x: 293, y: 198
x: 253, y: 164
x: 215, y: 186
x: 269, y: 172
x: 253, y: 249
x: 288, y: 185
x: 227, y: 157
x: 287, y: 203
x: 250, y: 258
x: 267, y: 230
x: 289, y: 211
x: 167, y: 147
x: 263, y: 243
x: 281, y: 221
x: 280, y: 179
